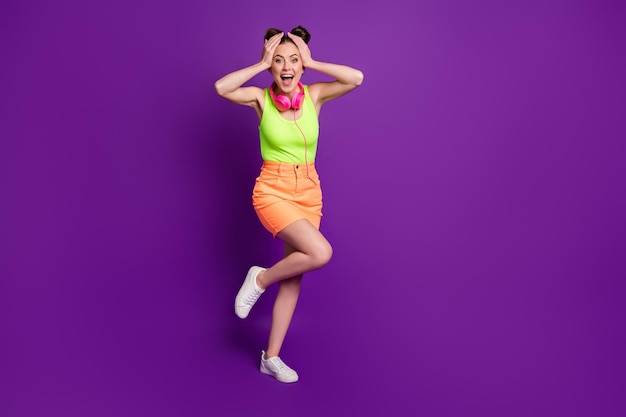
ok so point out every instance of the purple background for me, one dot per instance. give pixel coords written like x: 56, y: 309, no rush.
x: 474, y: 196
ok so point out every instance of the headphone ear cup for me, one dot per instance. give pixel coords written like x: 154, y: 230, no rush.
x: 282, y: 103
x: 298, y: 99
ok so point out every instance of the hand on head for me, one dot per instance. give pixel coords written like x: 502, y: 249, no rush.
x: 303, y: 48
x: 269, y: 48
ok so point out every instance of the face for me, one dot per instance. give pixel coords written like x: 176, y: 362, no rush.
x: 286, y: 68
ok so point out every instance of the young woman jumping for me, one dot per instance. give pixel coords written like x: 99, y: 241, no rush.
x: 287, y: 196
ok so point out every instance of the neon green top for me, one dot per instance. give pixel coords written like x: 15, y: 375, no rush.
x: 281, y: 140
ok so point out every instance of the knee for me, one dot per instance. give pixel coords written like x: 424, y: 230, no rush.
x: 321, y: 255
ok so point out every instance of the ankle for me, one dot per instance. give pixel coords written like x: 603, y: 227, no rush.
x: 267, y: 356
x: 259, y: 283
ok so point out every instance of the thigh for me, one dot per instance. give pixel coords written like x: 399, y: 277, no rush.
x: 288, y: 249
x: 302, y: 236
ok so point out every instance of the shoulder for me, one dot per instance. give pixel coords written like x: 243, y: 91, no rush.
x: 257, y: 101
x: 313, y: 93
x: 262, y: 95
x: 312, y: 90
x: 258, y: 91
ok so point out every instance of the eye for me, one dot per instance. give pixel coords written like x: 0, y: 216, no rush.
x: 293, y: 61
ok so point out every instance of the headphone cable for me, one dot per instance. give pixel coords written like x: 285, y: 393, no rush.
x: 305, y: 145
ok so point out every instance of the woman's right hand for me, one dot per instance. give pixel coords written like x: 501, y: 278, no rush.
x: 269, y: 48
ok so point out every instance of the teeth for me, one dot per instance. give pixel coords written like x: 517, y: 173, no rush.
x: 286, y: 76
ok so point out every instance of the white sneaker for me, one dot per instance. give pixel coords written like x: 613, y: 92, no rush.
x: 275, y: 367
x: 248, y: 293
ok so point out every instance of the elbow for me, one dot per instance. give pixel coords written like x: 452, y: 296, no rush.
x: 219, y: 88
x: 358, y: 79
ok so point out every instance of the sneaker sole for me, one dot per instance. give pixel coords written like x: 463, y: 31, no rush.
x: 270, y: 373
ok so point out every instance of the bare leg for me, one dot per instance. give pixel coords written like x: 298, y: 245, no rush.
x: 312, y: 251
x: 284, y: 307
x: 306, y: 249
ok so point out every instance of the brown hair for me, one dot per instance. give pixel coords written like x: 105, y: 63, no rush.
x: 298, y: 31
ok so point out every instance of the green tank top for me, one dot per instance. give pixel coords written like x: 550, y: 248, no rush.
x: 281, y: 140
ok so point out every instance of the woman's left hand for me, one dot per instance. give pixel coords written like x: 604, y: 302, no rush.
x: 305, y: 52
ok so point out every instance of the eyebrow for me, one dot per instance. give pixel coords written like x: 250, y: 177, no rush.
x: 289, y: 55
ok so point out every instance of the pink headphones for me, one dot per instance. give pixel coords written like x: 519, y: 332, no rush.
x: 283, y: 103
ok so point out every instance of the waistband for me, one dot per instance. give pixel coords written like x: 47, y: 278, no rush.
x: 297, y: 170
x: 286, y: 167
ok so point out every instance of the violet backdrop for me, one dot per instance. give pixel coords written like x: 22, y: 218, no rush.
x: 473, y: 191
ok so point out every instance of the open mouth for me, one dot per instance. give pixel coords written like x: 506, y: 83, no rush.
x: 287, y: 79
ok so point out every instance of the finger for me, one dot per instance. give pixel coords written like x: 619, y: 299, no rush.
x: 274, y: 40
x: 295, y: 37
x: 270, y: 45
x: 297, y: 40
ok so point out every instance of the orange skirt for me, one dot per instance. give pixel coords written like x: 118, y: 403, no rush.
x: 284, y: 193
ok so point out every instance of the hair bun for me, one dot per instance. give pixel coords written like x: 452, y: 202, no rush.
x: 271, y: 32
x: 301, y: 32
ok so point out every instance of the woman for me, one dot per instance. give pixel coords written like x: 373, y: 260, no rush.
x: 287, y: 196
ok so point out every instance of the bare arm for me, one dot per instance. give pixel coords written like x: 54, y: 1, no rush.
x: 346, y: 78
x: 230, y: 85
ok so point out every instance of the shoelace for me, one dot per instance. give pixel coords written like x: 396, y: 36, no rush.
x: 279, y: 364
x: 251, y: 299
